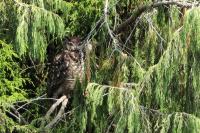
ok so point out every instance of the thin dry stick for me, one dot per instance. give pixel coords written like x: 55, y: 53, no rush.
x: 20, y: 118
x: 53, y: 107
x: 59, y: 115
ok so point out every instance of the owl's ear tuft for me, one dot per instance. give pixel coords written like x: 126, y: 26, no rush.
x: 66, y: 40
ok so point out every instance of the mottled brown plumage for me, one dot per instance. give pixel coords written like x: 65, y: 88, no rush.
x: 67, y: 66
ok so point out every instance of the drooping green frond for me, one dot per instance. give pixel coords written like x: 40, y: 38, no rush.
x: 179, y: 122
x: 111, y: 108
x: 35, y: 24
x: 191, y: 43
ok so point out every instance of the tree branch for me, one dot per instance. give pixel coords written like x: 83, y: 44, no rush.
x: 132, y: 19
x: 59, y: 115
x: 53, y: 107
x: 18, y: 116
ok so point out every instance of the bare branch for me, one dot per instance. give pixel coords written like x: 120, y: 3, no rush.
x: 18, y: 116
x: 53, y: 107
x: 59, y: 115
x: 144, y: 8
x: 115, y: 41
x: 32, y: 100
x: 123, y: 86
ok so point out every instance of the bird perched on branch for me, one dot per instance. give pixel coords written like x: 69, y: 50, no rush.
x: 66, y: 67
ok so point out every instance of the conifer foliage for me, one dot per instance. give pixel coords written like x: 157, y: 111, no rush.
x: 143, y: 74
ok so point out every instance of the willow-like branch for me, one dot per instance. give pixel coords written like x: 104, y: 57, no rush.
x: 137, y: 13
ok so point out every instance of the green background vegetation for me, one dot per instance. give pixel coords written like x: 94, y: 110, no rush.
x: 158, y: 57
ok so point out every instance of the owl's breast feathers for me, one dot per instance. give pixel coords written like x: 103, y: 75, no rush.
x: 66, y: 67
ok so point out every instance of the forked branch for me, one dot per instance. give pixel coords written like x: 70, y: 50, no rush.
x: 53, y: 107
x: 59, y: 115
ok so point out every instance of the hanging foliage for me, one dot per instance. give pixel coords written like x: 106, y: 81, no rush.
x: 143, y: 78
x: 11, y: 83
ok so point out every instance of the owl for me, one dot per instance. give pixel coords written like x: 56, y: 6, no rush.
x: 66, y: 67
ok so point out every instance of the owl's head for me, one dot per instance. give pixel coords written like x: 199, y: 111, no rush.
x: 72, y: 43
